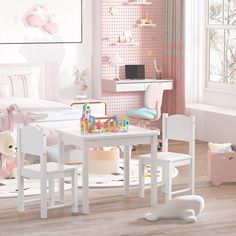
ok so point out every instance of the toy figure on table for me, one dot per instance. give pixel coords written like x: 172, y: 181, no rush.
x: 91, y: 124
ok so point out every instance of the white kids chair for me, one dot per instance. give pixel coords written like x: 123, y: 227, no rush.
x: 152, y: 105
x: 176, y: 127
x: 32, y: 140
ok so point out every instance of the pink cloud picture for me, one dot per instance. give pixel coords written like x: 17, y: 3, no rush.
x: 40, y: 21
x: 41, y: 17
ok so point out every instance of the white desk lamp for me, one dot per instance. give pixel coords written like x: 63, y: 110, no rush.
x: 116, y: 61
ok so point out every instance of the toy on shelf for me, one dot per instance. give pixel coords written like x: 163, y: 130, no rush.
x: 126, y: 37
x: 91, y: 124
x: 146, y: 20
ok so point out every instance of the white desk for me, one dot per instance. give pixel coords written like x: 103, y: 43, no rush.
x: 126, y: 85
x: 69, y: 132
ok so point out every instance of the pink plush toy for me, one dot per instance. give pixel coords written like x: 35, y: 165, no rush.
x: 8, y: 162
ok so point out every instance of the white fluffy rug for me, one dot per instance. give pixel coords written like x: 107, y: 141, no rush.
x: 8, y: 187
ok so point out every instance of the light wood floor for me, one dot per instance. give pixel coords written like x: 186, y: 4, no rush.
x: 113, y: 214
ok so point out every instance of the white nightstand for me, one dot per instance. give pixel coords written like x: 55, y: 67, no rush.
x: 98, y: 107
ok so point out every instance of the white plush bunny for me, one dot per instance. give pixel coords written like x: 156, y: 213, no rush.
x: 185, y: 207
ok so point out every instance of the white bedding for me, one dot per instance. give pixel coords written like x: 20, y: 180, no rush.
x: 62, y: 115
x: 31, y: 104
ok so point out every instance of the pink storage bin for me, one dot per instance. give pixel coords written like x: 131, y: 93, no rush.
x: 222, y: 167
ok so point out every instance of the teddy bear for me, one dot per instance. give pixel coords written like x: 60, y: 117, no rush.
x: 186, y: 207
x: 8, y: 162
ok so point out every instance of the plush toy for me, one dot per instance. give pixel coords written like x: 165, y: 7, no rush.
x: 8, y: 162
x: 185, y: 207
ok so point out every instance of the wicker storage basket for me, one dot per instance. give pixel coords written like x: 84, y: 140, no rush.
x: 104, y: 161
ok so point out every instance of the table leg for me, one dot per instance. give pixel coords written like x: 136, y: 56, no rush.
x: 154, y: 171
x: 61, y: 165
x: 127, y: 157
x: 85, y: 181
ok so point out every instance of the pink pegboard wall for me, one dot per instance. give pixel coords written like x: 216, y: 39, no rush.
x: 119, y: 103
x: 149, y: 39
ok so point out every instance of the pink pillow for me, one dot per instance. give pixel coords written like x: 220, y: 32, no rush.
x: 52, y: 137
x: 21, y: 83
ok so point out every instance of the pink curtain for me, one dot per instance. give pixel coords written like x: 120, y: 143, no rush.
x: 174, y: 52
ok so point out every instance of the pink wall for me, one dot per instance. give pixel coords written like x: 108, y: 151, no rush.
x: 149, y: 39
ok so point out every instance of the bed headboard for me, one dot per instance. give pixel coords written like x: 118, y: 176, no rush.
x: 48, y: 77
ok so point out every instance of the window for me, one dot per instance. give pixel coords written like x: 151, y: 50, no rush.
x: 221, y: 34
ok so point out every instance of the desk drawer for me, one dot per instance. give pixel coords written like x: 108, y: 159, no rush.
x: 130, y: 87
x: 133, y: 85
x: 166, y: 85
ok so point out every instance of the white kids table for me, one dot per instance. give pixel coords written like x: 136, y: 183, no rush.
x: 69, y: 132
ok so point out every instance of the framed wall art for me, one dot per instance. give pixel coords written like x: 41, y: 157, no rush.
x: 40, y: 21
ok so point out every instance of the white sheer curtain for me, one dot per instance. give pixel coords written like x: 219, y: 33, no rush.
x: 195, y: 50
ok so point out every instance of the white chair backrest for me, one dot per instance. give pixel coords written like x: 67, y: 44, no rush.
x: 32, y: 140
x: 153, y: 96
x: 177, y: 127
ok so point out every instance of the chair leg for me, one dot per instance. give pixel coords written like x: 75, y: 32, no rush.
x: 163, y: 178
x: 51, y: 191
x: 74, y: 191
x: 20, y: 193
x: 192, y: 177
x: 61, y: 190
x: 141, y: 178
x: 43, y: 187
x: 168, y: 182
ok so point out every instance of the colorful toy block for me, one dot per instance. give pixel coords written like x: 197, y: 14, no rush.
x: 91, y: 124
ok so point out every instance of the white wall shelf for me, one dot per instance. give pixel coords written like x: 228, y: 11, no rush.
x: 138, y: 3
x: 123, y: 44
x: 126, y: 85
x: 146, y: 25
